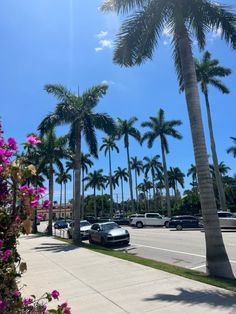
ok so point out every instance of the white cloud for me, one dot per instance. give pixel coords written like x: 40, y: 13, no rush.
x: 106, y: 43
x: 108, y: 82
x: 102, y: 34
x: 217, y: 33
x: 97, y: 49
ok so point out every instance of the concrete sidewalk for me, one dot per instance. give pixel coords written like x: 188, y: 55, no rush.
x: 94, y: 283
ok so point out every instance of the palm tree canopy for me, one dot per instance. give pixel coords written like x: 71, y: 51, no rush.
x: 114, y: 181
x: 153, y: 165
x: 121, y: 174
x: 232, y: 149
x: 175, y: 175
x: 78, y: 111
x: 126, y: 128
x: 161, y: 128
x: 208, y: 72
x: 136, y: 165
x: 86, y: 162
x: 109, y: 144
x: 95, y: 180
x: 223, y: 169
x: 141, y: 32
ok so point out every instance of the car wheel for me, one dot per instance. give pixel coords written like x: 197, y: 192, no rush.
x: 90, y: 239
x: 179, y: 227
x: 69, y: 235
x: 166, y: 224
x: 139, y: 224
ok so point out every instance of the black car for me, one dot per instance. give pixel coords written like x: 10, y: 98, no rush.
x: 185, y: 221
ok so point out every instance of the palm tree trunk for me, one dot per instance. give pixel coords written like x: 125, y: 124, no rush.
x: 73, y: 209
x: 136, y: 189
x: 122, y: 193
x: 130, y: 180
x: 216, y: 257
x: 154, y: 193
x: 82, y: 201
x: 102, y: 204
x: 110, y: 182
x: 65, y: 199
x: 50, y: 190
x: 219, y: 184
x: 95, y: 204
x: 77, y: 199
x: 166, y: 179
x: 61, y: 200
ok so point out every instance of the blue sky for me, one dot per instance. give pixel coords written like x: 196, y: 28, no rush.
x: 70, y: 42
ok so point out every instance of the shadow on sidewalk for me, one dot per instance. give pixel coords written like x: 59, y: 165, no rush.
x: 213, y: 298
x: 56, y: 247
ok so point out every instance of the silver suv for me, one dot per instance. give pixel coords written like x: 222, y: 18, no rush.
x: 227, y: 219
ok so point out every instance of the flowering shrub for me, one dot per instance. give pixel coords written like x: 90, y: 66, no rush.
x: 18, y: 201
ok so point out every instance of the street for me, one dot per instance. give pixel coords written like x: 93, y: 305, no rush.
x: 184, y: 248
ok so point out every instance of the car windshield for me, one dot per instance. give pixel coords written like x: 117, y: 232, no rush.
x: 110, y: 226
x: 84, y: 223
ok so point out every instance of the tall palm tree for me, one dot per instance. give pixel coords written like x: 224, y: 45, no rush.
x: 66, y: 177
x: 95, y: 181
x: 159, y: 127
x: 208, y: 73
x: 154, y: 166
x: 232, y: 149
x: 50, y: 153
x: 122, y: 175
x: 126, y: 129
x: 192, y: 171
x: 137, y: 166
x: 59, y: 181
x: 135, y: 43
x: 223, y: 169
x: 78, y: 112
x: 176, y: 176
x: 108, y: 146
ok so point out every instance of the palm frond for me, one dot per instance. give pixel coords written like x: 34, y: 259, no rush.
x: 122, y: 6
x: 219, y: 85
x: 59, y: 91
x: 104, y: 122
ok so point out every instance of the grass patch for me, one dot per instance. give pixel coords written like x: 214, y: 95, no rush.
x: 228, y: 284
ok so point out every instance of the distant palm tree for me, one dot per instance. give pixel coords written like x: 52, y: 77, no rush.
x: 78, y: 112
x: 208, y: 73
x: 66, y: 177
x: 59, y: 181
x: 108, y: 146
x: 137, y: 166
x: 154, y: 166
x: 192, y: 171
x: 223, y: 169
x: 232, y: 149
x: 184, y: 20
x: 126, y: 129
x: 159, y: 127
x: 95, y: 181
x: 122, y: 175
x: 176, y: 176
x: 50, y: 153
x: 147, y: 185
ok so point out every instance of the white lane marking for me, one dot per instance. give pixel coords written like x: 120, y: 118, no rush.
x: 172, y: 251
x: 197, y: 267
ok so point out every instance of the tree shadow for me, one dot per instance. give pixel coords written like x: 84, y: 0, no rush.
x: 214, y: 298
x: 56, y: 247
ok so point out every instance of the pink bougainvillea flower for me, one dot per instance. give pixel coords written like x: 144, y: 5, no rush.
x: 17, y: 294
x: 43, y: 308
x: 2, y: 152
x: 1, y: 168
x: 12, y: 143
x: 27, y: 301
x: 35, y: 201
x: 40, y: 217
x: 2, y: 305
x: 66, y: 309
x: 1, y: 141
x: 6, y: 161
x: 46, y: 204
x: 8, y: 153
x: 7, y: 254
x: 33, y: 140
x: 41, y: 189
x: 24, y: 188
x: 55, y: 294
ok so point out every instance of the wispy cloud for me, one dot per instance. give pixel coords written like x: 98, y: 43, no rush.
x: 104, y: 43
x: 102, y: 34
x: 106, y: 82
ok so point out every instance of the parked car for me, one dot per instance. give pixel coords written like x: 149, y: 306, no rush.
x: 227, y: 219
x: 134, y: 216
x: 61, y: 224
x: 185, y: 221
x: 84, y: 229
x: 108, y: 233
x: 149, y: 219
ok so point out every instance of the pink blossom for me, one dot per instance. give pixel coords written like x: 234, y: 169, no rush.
x: 2, y: 152
x: 8, y: 153
x: 1, y: 141
x: 43, y: 308
x: 1, y: 168
x: 65, y: 307
x: 35, y: 201
x: 32, y: 139
x: 2, y: 305
x: 24, y: 188
x: 40, y: 217
x: 7, y: 254
x: 27, y: 301
x: 55, y: 294
x: 6, y: 161
x: 12, y: 143
x: 41, y: 189
x: 17, y: 294
x: 46, y: 204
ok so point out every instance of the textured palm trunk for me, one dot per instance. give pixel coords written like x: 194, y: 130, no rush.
x: 73, y: 209
x: 61, y: 200
x: 77, y: 197
x: 219, y: 183
x: 154, y: 193
x: 82, y: 200
x: 130, y: 180
x: 95, y: 203
x: 65, y: 198
x: 110, y: 182
x: 217, y: 261
x: 136, y: 189
x: 166, y: 179
x: 50, y: 190
x: 102, y: 205
x: 122, y: 193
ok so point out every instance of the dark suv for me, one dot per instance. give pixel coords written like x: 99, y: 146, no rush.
x: 185, y: 221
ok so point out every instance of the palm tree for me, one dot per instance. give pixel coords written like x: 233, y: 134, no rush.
x: 192, y: 171
x: 154, y: 166
x: 161, y: 128
x: 96, y: 182
x: 86, y: 163
x: 137, y: 166
x: 232, y: 149
x: 78, y: 112
x: 223, y: 169
x: 122, y: 175
x: 176, y: 176
x: 135, y: 43
x: 59, y: 181
x: 50, y: 153
x: 126, y: 129
x: 147, y: 185
x: 108, y: 146
x: 208, y: 73
x: 66, y: 177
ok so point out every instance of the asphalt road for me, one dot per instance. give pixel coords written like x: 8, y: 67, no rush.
x: 184, y: 248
